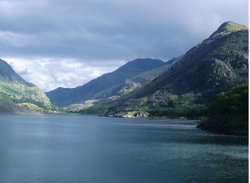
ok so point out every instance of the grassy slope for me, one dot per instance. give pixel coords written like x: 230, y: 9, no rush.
x: 19, y: 98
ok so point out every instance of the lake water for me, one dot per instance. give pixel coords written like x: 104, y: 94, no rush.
x: 79, y: 149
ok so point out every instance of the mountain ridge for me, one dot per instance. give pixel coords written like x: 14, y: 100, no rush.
x: 19, y: 96
x: 216, y: 64
x: 103, y: 86
x: 9, y: 75
x: 229, y: 27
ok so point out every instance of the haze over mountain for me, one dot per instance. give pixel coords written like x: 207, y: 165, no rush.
x: 18, y: 95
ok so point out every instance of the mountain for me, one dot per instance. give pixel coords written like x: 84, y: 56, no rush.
x: 217, y: 64
x: 126, y: 87
x: 103, y: 86
x: 18, y: 95
x: 7, y: 74
x: 141, y: 79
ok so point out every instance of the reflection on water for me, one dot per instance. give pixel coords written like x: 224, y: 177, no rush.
x: 61, y: 149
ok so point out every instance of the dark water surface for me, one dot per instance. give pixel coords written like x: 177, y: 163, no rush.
x: 78, y: 149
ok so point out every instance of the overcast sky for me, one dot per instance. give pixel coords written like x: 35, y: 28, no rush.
x: 66, y: 43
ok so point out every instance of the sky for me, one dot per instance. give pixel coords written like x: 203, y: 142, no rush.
x: 66, y: 43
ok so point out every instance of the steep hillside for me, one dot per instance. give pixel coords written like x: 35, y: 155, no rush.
x: 7, y: 74
x: 143, y: 78
x: 19, y: 96
x: 126, y: 87
x: 104, y: 86
x: 215, y: 65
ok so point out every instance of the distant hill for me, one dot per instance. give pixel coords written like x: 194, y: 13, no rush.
x: 217, y: 64
x: 18, y: 95
x: 103, y: 86
x: 141, y: 79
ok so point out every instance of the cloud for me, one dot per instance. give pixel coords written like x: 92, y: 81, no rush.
x: 111, y: 29
x: 104, y: 31
x: 49, y: 74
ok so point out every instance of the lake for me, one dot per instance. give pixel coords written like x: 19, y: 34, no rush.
x: 91, y: 149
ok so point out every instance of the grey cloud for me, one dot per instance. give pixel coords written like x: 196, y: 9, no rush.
x: 66, y: 43
x: 110, y: 29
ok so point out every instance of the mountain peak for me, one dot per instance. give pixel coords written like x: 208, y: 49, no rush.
x: 140, y: 65
x: 229, y: 27
x: 105, y: 85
